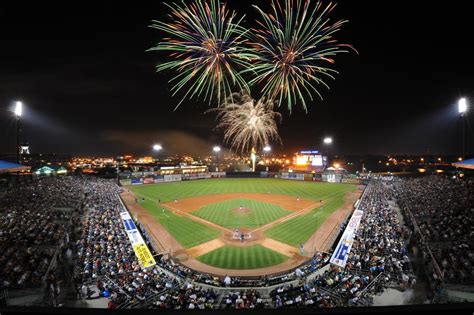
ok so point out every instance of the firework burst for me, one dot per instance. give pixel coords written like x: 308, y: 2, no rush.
x: 295, y: 49
x: 247, y: 123
x: 206, y: 43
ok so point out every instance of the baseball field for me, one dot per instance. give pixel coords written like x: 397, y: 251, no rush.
x: 233, y: 226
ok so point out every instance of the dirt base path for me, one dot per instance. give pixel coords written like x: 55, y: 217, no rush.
x: 177, y: 211
x: 195, y: 203
x: 184, y: 207
x: 280, y: 247
x: 321, y: 239
x: 163, y: 239
x: 288, y: 217
x: 204, y: 248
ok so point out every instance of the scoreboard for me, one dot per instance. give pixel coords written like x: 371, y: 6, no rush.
x: 310, y: 158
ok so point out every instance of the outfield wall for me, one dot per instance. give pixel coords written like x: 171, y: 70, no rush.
x: 141, y: 178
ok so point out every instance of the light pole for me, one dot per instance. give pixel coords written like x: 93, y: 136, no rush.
x: 327, y: 142
x: 157, y: 148
x: 217, y: 149
x: 462, y: 108
x: 118, y: 159
x: 266, y: 149
x: 18, y: 113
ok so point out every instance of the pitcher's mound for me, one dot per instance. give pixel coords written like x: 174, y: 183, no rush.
x: 242, y: 210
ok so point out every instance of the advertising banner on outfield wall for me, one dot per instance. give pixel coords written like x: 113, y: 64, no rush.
x: 218, y: 174
x: 340, y: 255
x: 144, y: 256
x: 149, y: 180
x: 125, y: 182
x: 137, y: 181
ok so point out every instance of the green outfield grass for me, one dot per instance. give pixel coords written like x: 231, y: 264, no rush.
x: 222, y: 213
x: 178, y: 190
x: 230, y: 257
x: 186, y: 231
x: 299, y: 229
x: 293, y: 232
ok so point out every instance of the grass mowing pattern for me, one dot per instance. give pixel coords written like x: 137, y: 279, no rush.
x: 187, y: 232
x: 299, y: 229
x: 178, y: 190
x: 293, y: 232
x: 230, y: 257
x: 222, y: 213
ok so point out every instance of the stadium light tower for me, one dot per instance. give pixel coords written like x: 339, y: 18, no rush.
x: 462, y: 108
x: 117, y: 160
x: 327, y: 141
x: 217, y: 149
x: 266, y: 150
x: 157, y: 148
x: 18, y: 113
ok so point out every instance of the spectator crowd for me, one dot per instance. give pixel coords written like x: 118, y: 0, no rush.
x: 440, y: 210
x: 39, y: 220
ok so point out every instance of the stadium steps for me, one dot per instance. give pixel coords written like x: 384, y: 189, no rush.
x: 460, y: 296
x: 27, y: 300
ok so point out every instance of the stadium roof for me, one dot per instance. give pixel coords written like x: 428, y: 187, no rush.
x: 8, y: 167
x: 465, y: 164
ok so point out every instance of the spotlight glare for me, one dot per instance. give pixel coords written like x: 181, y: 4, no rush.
x: 328, y: 140
x: 19, y: 109
x: 462, y: 105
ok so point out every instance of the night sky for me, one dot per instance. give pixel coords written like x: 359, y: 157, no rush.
x: 89, y: 87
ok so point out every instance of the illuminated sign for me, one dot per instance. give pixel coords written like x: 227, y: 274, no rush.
x: 301, y: 160
x: 310, y: 152
x: 317, y: 160
x: 309, y: 159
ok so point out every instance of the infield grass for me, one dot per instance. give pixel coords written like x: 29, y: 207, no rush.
x: 224, y: 214
x: 293, y: 232
x: 231, y: 257
x: 299, y: 229
x: 187, y: 232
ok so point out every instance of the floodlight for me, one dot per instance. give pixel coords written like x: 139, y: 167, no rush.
x: 462, y: 105
x: 19, y: 109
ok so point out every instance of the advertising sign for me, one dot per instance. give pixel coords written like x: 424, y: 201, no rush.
x: 344, y: 246
x: 144, y: 256
x: 149, y: 180
x: 136, y: 181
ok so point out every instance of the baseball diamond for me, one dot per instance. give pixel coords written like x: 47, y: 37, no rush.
x: 242, y: 226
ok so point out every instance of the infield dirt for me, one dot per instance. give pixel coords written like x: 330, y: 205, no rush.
x: 166, y: 242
